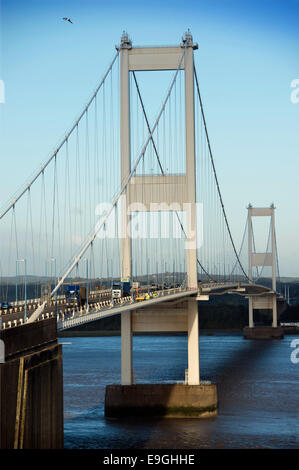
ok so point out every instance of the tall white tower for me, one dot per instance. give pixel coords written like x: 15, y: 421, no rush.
x: 262, y: 259
x: 147, y: 59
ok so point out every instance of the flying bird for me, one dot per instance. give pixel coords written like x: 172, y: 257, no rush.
x: 68, y: 19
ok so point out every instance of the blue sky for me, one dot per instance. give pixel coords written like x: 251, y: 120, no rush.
x: 248, y: 56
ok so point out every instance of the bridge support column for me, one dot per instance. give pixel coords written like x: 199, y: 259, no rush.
x: 250, y: 307
x: 177, y: 399
x: 126, y: 349
x: 266, y: 302
x: 269, y: 300
x: 125, y: 150
x: 191, y: 254
x: 274, y: 312
x: 193, y: 343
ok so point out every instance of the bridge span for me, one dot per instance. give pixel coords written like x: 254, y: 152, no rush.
x: 136, y: 199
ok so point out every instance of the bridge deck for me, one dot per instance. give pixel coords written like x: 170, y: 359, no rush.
x: 172, y: 294
x: 99, y: 308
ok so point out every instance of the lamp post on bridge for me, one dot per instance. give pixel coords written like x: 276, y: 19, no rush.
x: 25, y: 284
x: 87, y: 284
x: 55, y: 280
x: 16, y: 281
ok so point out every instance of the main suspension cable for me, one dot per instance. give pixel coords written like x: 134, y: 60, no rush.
x: 216, y: 179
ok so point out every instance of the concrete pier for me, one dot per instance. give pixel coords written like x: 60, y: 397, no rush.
x: 161, y: 400
x: 31, y: 392
x: 263, y: 332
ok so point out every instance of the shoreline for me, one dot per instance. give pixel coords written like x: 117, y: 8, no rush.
x: 99, y: 333
x: 208, y: 332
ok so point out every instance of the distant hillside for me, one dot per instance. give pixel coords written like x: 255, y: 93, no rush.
x: 291, y: 314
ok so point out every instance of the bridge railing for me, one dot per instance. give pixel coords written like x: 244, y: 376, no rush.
x: 79, y: 312
x: 101, y: 307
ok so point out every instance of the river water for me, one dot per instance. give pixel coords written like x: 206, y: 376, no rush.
x: 258, y: 391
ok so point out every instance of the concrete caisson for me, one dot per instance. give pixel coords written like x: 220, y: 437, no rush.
x: 161, y: 400
x: 263, y: 332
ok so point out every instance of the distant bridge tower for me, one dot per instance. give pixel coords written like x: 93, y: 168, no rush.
x: 268, y: 301
x: 147, y: 59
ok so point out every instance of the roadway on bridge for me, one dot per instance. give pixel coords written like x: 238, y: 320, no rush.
x: 98, y: 301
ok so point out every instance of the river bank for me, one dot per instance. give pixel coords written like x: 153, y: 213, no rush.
x: 209, y: 332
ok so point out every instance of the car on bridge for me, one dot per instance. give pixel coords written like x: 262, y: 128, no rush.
x: 139, y: 298
x: 116, y: 290
x: 5, y: 305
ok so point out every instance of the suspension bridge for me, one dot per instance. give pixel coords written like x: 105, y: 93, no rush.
x: 131, y: 194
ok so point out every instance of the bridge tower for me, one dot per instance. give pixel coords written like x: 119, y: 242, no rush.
x: 266, y: 301
x: 147, y: 59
